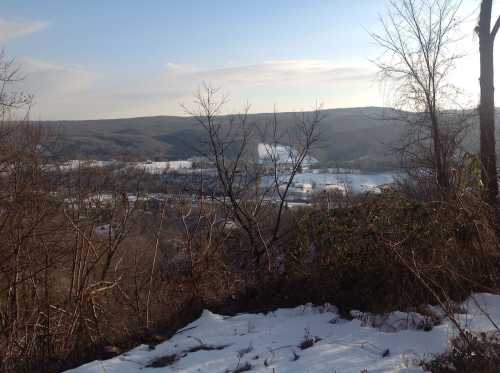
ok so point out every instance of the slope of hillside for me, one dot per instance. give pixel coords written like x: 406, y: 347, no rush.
x: 347, y: 134
x: 355, y: 134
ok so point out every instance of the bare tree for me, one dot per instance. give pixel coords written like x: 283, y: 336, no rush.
x: 487, y: 101
x: 418, y: 37
x: 232, y: 143
x: 10, y: 100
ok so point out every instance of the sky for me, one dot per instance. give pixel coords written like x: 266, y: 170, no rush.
x: 107, y: 59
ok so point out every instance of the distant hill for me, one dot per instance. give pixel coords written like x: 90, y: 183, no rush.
x: 348, y: 135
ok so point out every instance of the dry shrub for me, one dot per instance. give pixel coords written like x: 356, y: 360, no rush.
x: 69, y: 292
x: 376, y: 254
x: 480, y: 355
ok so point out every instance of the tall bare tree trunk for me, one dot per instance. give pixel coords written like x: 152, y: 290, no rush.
x: 440, y: 163
x: 487, y: 103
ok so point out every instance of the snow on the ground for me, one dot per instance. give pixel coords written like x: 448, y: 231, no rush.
x: 272, y: 342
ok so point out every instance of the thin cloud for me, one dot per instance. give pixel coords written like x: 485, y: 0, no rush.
x: 63, y: 92
x: 10, y: 29
x: 290, y: 71
x: 47, y: 79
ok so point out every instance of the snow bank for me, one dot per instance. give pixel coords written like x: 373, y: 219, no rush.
x: 302, y: 339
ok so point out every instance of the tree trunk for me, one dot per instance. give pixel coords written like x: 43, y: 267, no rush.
x: 442, y: 176
x: 487, y: 104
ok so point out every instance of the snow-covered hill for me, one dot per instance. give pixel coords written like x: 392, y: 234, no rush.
x: 302, y: 339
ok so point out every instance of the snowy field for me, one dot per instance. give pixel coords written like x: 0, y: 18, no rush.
x: 303, y: 339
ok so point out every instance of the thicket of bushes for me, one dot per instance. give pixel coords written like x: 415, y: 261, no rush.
x: 377, y: 253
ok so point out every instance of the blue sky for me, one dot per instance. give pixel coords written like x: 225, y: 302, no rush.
x: 102, y: 59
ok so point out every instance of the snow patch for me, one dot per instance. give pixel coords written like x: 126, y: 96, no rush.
x: 302, y: 339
